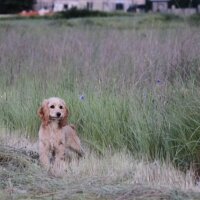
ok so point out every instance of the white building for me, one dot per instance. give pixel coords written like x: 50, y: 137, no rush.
x: 102, y: 5
x: 60, y: 5
x: 160, y: 5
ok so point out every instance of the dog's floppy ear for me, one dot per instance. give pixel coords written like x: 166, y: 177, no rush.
x: 43, y: 112
x: 63, y: 121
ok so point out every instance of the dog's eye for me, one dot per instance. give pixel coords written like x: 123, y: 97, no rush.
x: 61, y: 107
x: 52, y: 106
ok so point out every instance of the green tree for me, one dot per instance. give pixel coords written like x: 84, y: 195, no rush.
x: 15, y: 6
x: 177, y: 3
x: 148, y: 5
x: 185, y: 3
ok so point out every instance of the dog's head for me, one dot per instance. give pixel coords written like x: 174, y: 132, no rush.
x: 53, y: 109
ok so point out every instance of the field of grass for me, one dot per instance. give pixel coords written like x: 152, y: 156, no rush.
x: 139, y: 76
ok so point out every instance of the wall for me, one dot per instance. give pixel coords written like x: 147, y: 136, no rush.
x: 104, y: 5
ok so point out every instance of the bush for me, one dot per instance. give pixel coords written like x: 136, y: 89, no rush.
x: 194, y: 19
x: 74, y: 13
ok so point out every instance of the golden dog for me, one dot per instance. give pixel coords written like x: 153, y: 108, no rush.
x: 56, y: 138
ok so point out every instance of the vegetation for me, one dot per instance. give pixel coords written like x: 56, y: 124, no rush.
x: 114, y: 176
x: 132, y: 86
x: 15, y: 6
x: 177, y: 4
x: 75, y: 13
x: 130, y: 82
x: 185, y: 3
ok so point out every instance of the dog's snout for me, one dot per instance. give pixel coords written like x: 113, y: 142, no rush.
x: 58, y: 114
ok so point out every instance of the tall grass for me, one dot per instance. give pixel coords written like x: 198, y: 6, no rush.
x: 139, y: 77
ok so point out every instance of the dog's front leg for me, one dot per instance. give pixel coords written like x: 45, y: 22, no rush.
x: 58, y: 168
x: 44, y: 155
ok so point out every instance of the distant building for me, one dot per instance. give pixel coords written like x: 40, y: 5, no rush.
x: 60, y: 5
x: 164, y: 6
x: 160, y: 5
x: 102, y: 5
x: 44, y: 4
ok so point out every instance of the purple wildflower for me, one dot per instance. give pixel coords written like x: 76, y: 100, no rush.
x: 158, y: 81
x: 82, y: 97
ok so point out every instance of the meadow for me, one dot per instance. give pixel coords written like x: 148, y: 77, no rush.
x: 131, y: 82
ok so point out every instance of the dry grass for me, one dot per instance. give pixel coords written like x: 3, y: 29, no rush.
x: 140, y: 79
x: 112, y: 176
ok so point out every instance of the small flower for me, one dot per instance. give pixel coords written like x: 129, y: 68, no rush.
x: 158, y: 81
x: 82, y: 97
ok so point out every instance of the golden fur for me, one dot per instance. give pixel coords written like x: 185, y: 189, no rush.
x: 56, y: 138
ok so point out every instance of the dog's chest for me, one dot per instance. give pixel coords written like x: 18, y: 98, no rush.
x: 56, y: 138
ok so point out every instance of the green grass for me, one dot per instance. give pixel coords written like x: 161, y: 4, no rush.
x: 139, y: 75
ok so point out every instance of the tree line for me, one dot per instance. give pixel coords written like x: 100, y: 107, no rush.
x: 185, y: 3
x: 15, y: 6
x: 177, y: 4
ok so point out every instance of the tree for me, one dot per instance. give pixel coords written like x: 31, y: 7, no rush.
x: 195, y: 3
x: 15, y: 6
x: 148, y: 5
x: 185, y: 3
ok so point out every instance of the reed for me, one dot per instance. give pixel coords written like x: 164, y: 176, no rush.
x: 130, y: 82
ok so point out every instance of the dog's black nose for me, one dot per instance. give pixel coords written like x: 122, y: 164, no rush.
x: 58, y: 114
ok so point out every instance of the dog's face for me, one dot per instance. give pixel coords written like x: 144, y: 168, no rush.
x: 53, y: 109
x: 56, y: 108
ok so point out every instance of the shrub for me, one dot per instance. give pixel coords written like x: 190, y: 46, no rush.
x: 77, y: 13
